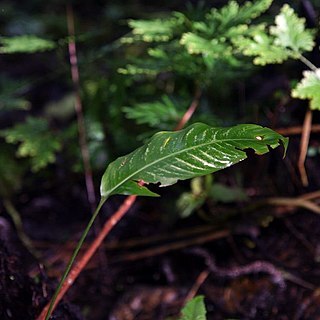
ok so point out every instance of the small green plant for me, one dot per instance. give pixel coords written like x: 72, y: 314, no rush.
x: 194, y: 309
x: 172, y: 156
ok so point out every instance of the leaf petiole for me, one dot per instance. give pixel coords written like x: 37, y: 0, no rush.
x: 73, y: 257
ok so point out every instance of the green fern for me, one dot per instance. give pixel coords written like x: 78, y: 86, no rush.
x: 262, y: 47
x: 11, y: 172
x: 212, y: 48
x: 290, y: 31
x: 11, y: 94
x: 288, y: 38
x: 309, y: 88
x: 25, y: 44
x: 155, y: 114
x: 233, y: 14
x: 36, y: 142
x: 193, y: 47
x: 155, y: 30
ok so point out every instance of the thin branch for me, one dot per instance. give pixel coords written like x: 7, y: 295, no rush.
x: 162, y: 249
x: 16, y: 218
x: 307, y: 62
x: 304, y: 147
x: 293, y: 202
x: 297, y: 130
x: 237, y: 271
x: 79, y: 110
x: 196, y: 286
x: 192, y: 108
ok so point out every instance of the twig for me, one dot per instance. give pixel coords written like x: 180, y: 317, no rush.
x: 307, y: 62
x: 81, y: 124
x: 152, y: 239
x: 292, y: 202
x: 237, y: 271
x: 188, y: 114
x: 196, y: 286
x: 15, y: 216
x: 278, y: 275
x: 79, y: 110
x: 304, y: 147
x: 210, y: 236
x: 311, y: 195
x: 297, y: 130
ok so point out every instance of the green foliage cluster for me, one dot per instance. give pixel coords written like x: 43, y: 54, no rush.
x: 194, y: 47
x: 25, y: 44
x: 205, y: 188
x: 35, y: 141
x: 216, y: 42
x: 288, y: 38
x: 10, y: 98
x: 309, y: 88
x: 157, y: 114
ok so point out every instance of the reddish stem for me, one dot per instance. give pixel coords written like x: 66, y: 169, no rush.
x: 305, y: 137
x: 189, y: 113
x: 80, y: 265
x: 79, y: 110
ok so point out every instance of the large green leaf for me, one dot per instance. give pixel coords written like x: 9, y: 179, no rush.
x: 194, y: 151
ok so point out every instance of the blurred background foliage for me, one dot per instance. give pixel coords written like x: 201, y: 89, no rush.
x: 137, y: 77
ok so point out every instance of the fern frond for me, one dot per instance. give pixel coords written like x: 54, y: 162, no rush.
x: 25, y: 44
x: 309, y: 88
x: 156, y: 30
x: 10, y: 94
x: 290, y: 31
x: 233, y: 14
x: 288, y: 38
x: 159, y: 114
x: 36, y: 142
x: 198, y: 45
x: 262, y: 47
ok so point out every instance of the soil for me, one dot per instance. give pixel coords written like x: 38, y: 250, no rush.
x: 262, y: 265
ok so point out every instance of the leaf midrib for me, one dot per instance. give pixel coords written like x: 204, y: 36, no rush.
x: 168, y: 156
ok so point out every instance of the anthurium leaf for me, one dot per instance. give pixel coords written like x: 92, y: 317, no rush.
x: 194, y: 310
x: 309, y: 88
x: 195, y: 151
